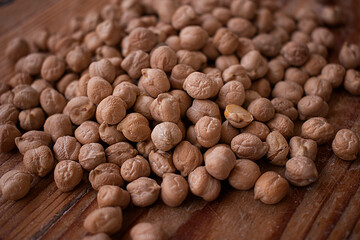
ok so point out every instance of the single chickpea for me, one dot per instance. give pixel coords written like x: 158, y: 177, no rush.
x: 241, y: 27
x: 72, y: 90
x: 80, y: 109
x: 109, y: 134
x: 165, y: 108
x: 142, y: 106
x: 121, y: 78
x: 201, y: 108
x: 288, y: 90
x: 103, y: 69
x: 174, y: 189
x: 208, y: 131
x: 128, y: 92
x: 225, y: 41
x: 202, y: 184
x: 7, y: 97
x: 281, y: 33
x: 147, y: 231
x: 264, y: 20
x: 92, y: 41
x: 278, y: 148
x: 58, y: 125
x: 352, y: 81
x: 331, y: 15
x: 39, y: 161
x: 141, y: 39
x: 270, y: 188
x: 258, y: 129
x: 245, y: 45
x: 255, y: 65
x: 210, y: 23
x: 262, y: 87
x: 296, y: 75
x: 243, y: 8
x: 82, y: 84
x: 105, y: 174
x: 323, y: 36
x: 314, y: 64
x: 178, y: 75
x: 299, y: 36
x: 143, y: 191
x: 161, y: 162
x: 307, y: 25
x: 262, y: 109
x: 52, y: 101
x: 87, y: 132
x: 191, y: 136
x: 25, y: 97
x: 40, y: 84
x: 165, y: 10
x: 15, y: 184
x: 349, y: 55
x: 33, y: 62
x: 91, y: 155
x: 275, y: 72
x: 312, y: 106
x: 187, y: 157
x: 318, y: 87
x: 303, y: 147
x: 98, y: 89
x: 301, y: 171
x: 333, y: 73
x: 244, y: 174
x: 119, y: 152
x: 109, y: 31
x: 135, y: 62
x: 31, y: 119
x: 317, y: 48
x: 267, y: 44
x: 232, y: 92
x: 225, y: 61
x: 219, y: 161
x: 111, y: 110
x: 173, y: 42
x: 193, y: 38
x: 249, y: 146
x: 195, y: 59
x: 183, y: 16
x: 52, y: 68
x: 282, y: 124
x: 166, y: 135
x: 155, y: 81
x: 296, y: 53
x: 144, y: 148
x: 8, y: 134
x: 104, y: 220
x: 184, y: 100
x: 237, y: 73
x: 9, y: 113
x: 31, y: 140
x: 346, y: 145
x: 67, y: 175
x: 317, y: 129
x: 78, y: 59
x: 66, y: 148
x: 228, y: 132
x: 135, y: 127
x: 237, y: 116
x: 201, y: 86
x: 285, y: 21
x: 17, y: 48
x: 112, y: 196
x: 210, y: 50
x: 285, y: 107
x: 62, y: 84
x: 20, y: 79
x: 134, y: 168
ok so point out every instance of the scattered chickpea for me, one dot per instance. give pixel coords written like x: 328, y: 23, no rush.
x: 32, y: 139
x: 283, y: 124
x: 25, y: 97
x: 174, y: 189
x: 228, y: 132
x: 52, y: 68
x: 67, y: 175
x: 9, y: 113
x: 39, y: 161
x: 258, y: 129
x: 303, y: 147
x: 270, y: 188
x: 135, y: 127
x: 119, y: 152
x: 296, y: 75
x: 87, y: 132
x: 91, y: 155
x: 134, y: 168
x: 219, y: 161
x: 278, y: 148
x: 301, y: 171
x: 318, y: 129
x: 166, y: 135
x: 15, y: 184
x: 58, y: 125
x: 8, y: 134
x: 288, y: 90
x: 312, y: 106
x: 249, y: 146
x: 16, y: 49
x: 333, y: 73
x: 80, y: 109
x: 244, y: 174
x: 104, y: 220
x: 143, y: 191
x: 200, y: 86
x: 237, y: 73
x: 112, y: 196
x: 352, y: 81
x: 147, y: 231
x: 346, y: 144
x: 262, y: 109
x: 98, y: 89
x: 202, y: 184
x: 285, y: 107
x: 105, y: 174
x: 349, y: 55
x: 255, y: 65
x: 208, y: 131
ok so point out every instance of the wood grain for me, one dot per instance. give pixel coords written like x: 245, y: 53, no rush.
x: 328, y: 209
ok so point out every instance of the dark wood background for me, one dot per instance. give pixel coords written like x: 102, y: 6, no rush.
x: 328, y: 209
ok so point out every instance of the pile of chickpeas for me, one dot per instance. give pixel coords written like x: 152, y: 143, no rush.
x: 155, y: 99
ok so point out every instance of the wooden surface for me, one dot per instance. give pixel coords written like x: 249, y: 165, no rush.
x: 328, y: 209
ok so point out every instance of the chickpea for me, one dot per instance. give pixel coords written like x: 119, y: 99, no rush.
x: 103, y: 69
x: 346, y: 145
x: 52, y: 101
x: 142, y: 106
x: 267, y: 44
x: 135, y: 127
x: 165, y: 108
x: 155, y: 81
x: 161, y: 162
x: 195, y: 59
x: 249, y: 146
x: 296, y: 75
x: 58, y: 125
x: 323, y: 36
x: 299, y: 36
x: 314, y: 64
x: 121, y: 78
x: 105, y: 174
x: 333, y: 73
x: 109, y: 134
x: 208, y: 131
x: 9, y: 113
x: 143, y: 191
x: 237, y: 116
x: 147, y: 231
x: 91, y: 155
x: 25, y: 97
x: 183, y: 99
x: 87, y: 132
x: 317, y: 129
x: 225, y: 41
x: 296, y: 53
x: 141, y: 39
x: 7, y: 97
x: 183, y: 16
x: 179, y: 74
x: 144, y: 148
x: 8, y: 134
x: 134, y: 168
x: 228, y: 132
x: 303, y: 147
x: 270, y: 188
x: 352, y: 82
x: 67, y: 148
x: 243, y: 8
x: 317, y: 48
x: 202, y: 184
x: 111, y: 110
x: 349, y: 55
x: 278, y: 148
x: 318, y: 87
x: 285, y: 107
x: 119, y: 152
x: 245, y: 45
x: 39, y: 161
x: 258, y: 129
x: 232, y: 92
x: 288, y: 90
x: 104, y: 220
x: 255, y: 65
x: 193, y: 38
x: 166, y: 135
x: 307, y: 25
x: 262, y: 109
x: 241, y: 27
x: 17, y: 48
x: 135, y: 62
x: 244, y: 174
x: 280, y: 33
x: 98, y: 89
x: 112, y: 196
x: 52, y: 68
x: 219, y: 161
x: 15, y: 184
x: 174, y: 189
x: 301, y: 171
x: 262, y: 87
x: 63, y: 83
x: 174, y: 42
x: 20, y: 79
x: 67, y: 175
x: 237, y: 73
x: 31, y: 140
x: 210, y: 23
x: 80, y: 109
x: 78, y: 59
x: 201, y: 86
x: 40, y: 84
x: 33, y: 62
x: 312, y: 106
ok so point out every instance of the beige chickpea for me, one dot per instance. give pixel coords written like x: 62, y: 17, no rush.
x: 164, y: 58
x: 312, y: 106
x: 119, y: 152
x: 174, y: 189
x: 107, y: 52
x: 228, y: 132
x: 241, y: 27
x: 346, y: 145
x: 318, y: 87
x: 121, y: 78
x: 19, y: 79
x: 200, y: 86
x: 135, y: 127
x: 66, y: 148
x: 72, y: 90
x: 52, y: 68
x: 210, y: 23
x: 333, y: 73
x: 193, y: 38
x: 237, y: 73
x: 143, y: 191
x: 87, y: 132
x: 219, y: 161
x: 278, y: 148
x: 299, y: 36
x: 134, y: 62
x: 109, y: 134
x: 323, y: 36
x: 4, y: 87
x: 9, y: 113
x: 267, y: 44
x: 78, y: 59
x: 144, y: 148
x: 67, y: 175
x: 80, y: 109
x: 208, y: 131
x: 352, y: 82
x: 52, y: 101
x: 332, y: 15
x: 262, y: 87
x: 105, y: 174
x: 25, y: 97
x: 58, y: 125
x: 111, y: 110
x: 141, y: 39
x: 7, y: 97
x: 103, y: 69
x: 15, y: 184
x: 243, y: 8
x: 270, y: 188
x: 64, y: 45
x: 280, y: 33
x: 317, y: 129
x: 32, y: 139
x: 232, y: 92
x: 128, y: 92
x: 39, y: 161
x: 90, y: 21
x: 258, y: 129
x: 98, y: 89
x: 187, y: 157
x: 178, y: 75
x: 237, y: 116
x: 245, y: 45
x: 173, y: 42
x: 288, y: 90
x: 17, y: 48
x: 244, y: 174
x: 276, y: 71
x: 82, y: 84
x: 165, y: 108
x: 296, y: 75
x: 225, y: 41
x: 91, y: 155
x: 285, y: 107
x: 202, y: 184
x: 148, y: 231
x: 262, y: 109
x: 134, y: 168
x: 201, y: 108
x: 285, y: 21
x: 183, y: 16
x: 349, y: 55
x: 195, y: 59
x: 142, y: 106
x: 248, y: 146
x: 317, y: 48
x: 264, y: 20
x: 155, y: 81
x: 166, y: 135
x: 104, y: 220
x: 255, y: 65
x: 62, y: 84
x: 109, y: 31
x: 184, y: 100
x: 307, y: 25
x: 161, y: 162
x: 301, y: 171
x: 112, y: 196
x: 224, y: 61
x: 314, y: 65
x: 303, y: 147
x: 296, y: 53
x: 283, y: 124
x: 33, y: 62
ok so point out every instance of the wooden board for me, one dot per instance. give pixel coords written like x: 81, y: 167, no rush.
x: 328, y: 209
